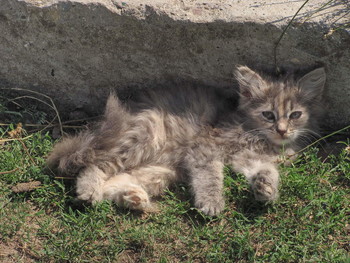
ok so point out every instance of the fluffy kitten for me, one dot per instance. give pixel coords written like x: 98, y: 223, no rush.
x: 135, y: 154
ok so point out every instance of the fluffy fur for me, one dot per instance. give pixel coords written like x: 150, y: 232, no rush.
x: 189, y: 135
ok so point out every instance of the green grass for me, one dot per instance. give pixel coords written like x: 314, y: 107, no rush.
x: 309, y: 223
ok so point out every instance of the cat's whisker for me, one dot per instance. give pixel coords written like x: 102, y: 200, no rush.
x: 311, y: 132
x: 311, y: 137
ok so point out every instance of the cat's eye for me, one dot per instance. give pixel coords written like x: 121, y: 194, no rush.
x: 269, y: 115
x: 295, y: 115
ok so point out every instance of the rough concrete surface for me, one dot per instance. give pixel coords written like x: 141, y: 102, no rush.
x: 76, y: 51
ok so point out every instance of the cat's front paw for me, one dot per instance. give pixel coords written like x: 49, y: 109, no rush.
x: 264, y: 187
x: 211, y: 207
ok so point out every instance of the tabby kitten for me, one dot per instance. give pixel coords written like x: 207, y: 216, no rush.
x: 180, y: 136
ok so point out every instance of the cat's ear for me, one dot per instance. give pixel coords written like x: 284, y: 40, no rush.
x: 113, y: 106
x: 311, y: 85
x: 251, y: 85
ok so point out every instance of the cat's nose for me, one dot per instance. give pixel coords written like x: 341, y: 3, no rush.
x: 282, y: 132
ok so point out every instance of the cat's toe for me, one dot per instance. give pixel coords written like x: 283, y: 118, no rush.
x: 211, y: 208
x: 264, y: 190
x: 137, y: 199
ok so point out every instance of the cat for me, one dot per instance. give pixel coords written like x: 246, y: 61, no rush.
x: 188, y: 135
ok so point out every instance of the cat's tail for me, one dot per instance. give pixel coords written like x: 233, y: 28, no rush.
x: 72, y: 153
x: 76, y: 152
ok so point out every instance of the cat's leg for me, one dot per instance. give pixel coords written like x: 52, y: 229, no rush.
x: 261, y: 173
x: 206, y: 179
x: 89, y: 184
x: 155, y: 179
x: 134, y: 189
x: 207, y: 185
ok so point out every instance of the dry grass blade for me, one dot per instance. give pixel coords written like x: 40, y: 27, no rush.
x: 65, y: 177
x: 15, y: 139
x: 316, y: 11
x: 52, y: 105
x: 11, y: 171
x: 283, y: 33
x: 47, y: 126
x: 43, y: 127
x: 16, y: 134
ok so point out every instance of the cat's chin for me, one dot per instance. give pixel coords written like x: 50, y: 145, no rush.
x: 281, y: 141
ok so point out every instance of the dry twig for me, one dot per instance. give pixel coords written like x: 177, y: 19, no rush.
x: 11, y: 171
x: 52, y: 105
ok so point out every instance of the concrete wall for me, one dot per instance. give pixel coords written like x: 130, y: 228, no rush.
x: 76, y: 51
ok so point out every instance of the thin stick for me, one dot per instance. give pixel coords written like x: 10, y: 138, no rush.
x: 43, y: 125
x: 11, y: 171
x: 66, y: 178
x: 33, y: 98
x: 15, y: 139
x: 27, y: 151
x: 53, y: 105
x: 316, y: 11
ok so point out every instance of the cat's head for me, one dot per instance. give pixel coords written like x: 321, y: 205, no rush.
x: 280, y: 110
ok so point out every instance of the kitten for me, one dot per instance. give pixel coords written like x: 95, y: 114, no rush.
x: 186, y: 135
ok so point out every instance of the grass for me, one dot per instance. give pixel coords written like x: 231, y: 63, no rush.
x: 309, y: 223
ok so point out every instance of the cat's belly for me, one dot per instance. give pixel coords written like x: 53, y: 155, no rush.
x: 153, y: 137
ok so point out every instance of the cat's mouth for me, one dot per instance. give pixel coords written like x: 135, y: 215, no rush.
x: 278, y: 139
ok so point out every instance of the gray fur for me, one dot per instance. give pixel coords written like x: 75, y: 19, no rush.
x: 135, y: 154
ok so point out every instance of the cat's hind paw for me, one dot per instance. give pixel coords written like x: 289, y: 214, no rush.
x: 124, y: 192
x: 137, y: 199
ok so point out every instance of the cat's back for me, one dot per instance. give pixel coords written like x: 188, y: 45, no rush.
x: 203, y: 105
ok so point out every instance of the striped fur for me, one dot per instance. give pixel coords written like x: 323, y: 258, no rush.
x: 189, y: 135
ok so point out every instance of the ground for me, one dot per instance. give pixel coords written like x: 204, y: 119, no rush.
x: 44, y: 223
